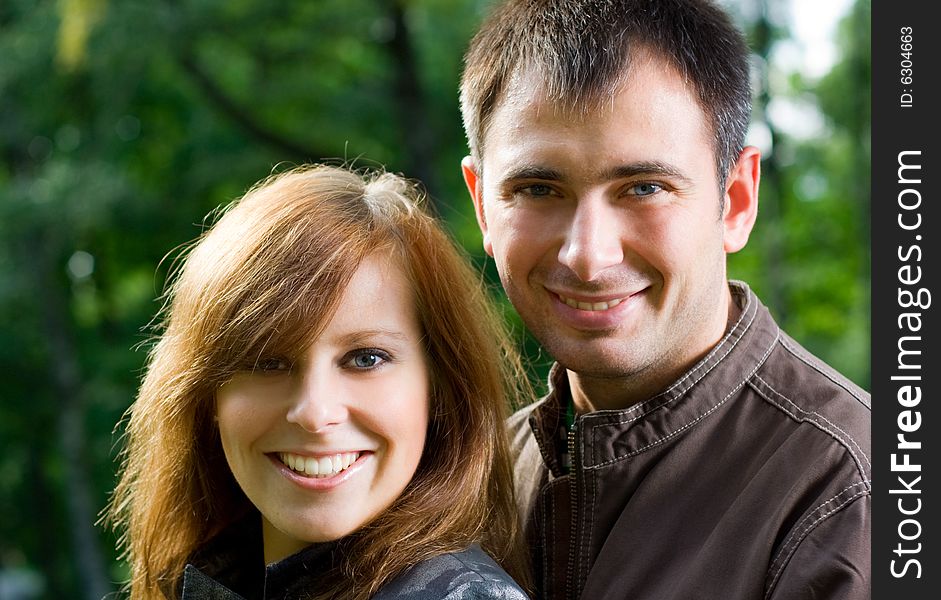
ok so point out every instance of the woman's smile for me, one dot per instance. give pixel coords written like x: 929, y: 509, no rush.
x: 326, y: 465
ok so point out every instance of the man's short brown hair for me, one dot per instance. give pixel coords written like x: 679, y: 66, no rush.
x: 581, y: 49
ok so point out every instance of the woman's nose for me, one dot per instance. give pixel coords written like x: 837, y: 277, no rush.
x: 319, y: 402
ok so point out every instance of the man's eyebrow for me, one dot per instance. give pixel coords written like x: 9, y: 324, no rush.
x: 644, y: 168
x: 649, y: 168
x: 533, y: 172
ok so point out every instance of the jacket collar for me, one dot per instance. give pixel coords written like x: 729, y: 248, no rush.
x: 605, y: 436
x: 230, y: 566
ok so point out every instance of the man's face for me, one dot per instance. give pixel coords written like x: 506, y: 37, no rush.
x: 605, y: 227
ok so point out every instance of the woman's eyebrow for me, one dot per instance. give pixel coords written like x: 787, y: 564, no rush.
x: 363, y: 336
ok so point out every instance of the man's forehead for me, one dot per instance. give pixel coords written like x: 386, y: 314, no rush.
x: 528, y: 90
x: 650, y: 91
x: 531, y: 93
x: 541, y: 87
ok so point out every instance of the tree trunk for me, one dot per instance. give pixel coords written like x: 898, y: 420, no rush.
x: 410, y: 104
x: 66, y: 381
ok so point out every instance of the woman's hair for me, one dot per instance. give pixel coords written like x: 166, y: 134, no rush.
x: 268, y: 276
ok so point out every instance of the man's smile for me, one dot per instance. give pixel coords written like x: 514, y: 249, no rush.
x: 591, y: 306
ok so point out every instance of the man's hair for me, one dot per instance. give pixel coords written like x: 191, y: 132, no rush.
x: 582, y: 50
x: 268, y: 277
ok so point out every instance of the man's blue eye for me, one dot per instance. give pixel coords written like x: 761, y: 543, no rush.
x: 536, y: 189
x: 645, y: 189
x: 540, y: 190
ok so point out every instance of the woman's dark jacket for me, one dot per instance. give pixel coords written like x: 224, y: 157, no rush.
x: 230, y: 568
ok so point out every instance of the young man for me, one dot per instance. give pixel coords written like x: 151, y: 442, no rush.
x: 688, y: 448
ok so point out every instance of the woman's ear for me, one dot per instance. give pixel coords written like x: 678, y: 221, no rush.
x: 741, y: 199
x: 474, y: 188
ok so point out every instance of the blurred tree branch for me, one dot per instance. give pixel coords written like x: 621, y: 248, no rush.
x: 244, y: 118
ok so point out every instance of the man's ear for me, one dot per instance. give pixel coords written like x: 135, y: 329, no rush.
x: 474, y: 188
x: 741, y: 199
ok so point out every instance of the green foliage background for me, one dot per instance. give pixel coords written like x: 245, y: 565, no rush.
x: 122, y: 123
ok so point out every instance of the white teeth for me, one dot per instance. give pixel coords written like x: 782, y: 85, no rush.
x: 591, y: 306
x: 324, y: 466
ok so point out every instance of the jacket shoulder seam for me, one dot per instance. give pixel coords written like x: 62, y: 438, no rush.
x: 800, y: 354
x: 800, y: 532
x: 821, y: 422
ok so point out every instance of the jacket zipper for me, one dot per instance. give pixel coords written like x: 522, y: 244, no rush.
x: 573, y: 488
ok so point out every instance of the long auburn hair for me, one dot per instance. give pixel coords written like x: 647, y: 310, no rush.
x: 269, y: 274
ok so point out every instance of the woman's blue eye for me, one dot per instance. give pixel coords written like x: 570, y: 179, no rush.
x: 367, y: 359
x: 272, y: 364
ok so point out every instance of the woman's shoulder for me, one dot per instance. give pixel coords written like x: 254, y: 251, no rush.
x: 468, y: 575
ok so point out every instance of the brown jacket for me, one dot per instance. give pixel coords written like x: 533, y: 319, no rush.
x: 748, y: 478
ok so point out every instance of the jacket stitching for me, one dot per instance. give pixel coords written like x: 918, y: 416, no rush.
x: 801, y: 356
x: 551, y: 520
x: 691, y: 423
x: 740, y: 324
x: 594, y: 427
x: 706, y: 361
x: 809, y: 417
x: 549, y: 534
x: 750, y: 312
x: 797, y: 528
x: 541, y: 443
x: 784, y: 554
x: 580, y: 543
x: 591, y: 484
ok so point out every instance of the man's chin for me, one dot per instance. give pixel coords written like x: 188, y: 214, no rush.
x: 600, y: 371
x: 597, y: 360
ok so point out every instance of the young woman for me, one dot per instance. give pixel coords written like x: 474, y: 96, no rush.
x: 322, y: 416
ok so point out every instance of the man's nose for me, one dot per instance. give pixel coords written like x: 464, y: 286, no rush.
x: 593, y: 240
x: 319, y: 402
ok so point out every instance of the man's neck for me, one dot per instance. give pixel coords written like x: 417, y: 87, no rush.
x: 595, y: 393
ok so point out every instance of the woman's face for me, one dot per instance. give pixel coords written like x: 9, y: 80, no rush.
x: 324, y: 442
